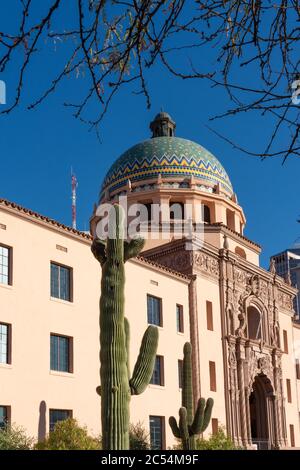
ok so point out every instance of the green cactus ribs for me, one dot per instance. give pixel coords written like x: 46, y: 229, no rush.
x: 117, y: 385
x: 190, y: 424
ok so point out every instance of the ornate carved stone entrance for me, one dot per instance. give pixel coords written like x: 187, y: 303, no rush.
x: 261, y: 412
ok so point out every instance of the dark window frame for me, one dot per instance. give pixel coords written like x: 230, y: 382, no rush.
x: 209, y: 316
x: 214, y: 426
x: 292, y: 435
x: 289, y: 390
x: 298, y: 369
x: 160, y: 324
x: 70, y: 353
x: 161, y: 381
x: 71, y: 280
x: 9, y: 343
x: 162, y: 430
x: 180, y: 373
x: 69, y: 412
x: 212, y: 376
x: 285, y: 341
x: 179, y: 318
x: 10, y: 264
x: 8, y: 414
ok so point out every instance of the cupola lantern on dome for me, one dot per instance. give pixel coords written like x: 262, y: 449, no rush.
x: 163, y: 125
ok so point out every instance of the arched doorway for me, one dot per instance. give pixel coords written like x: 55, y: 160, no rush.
x: 260, y: 412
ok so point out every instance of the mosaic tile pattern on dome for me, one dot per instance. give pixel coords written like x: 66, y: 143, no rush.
x: 169, y: 157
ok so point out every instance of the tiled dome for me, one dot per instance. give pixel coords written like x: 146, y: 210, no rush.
x: 169, y: 157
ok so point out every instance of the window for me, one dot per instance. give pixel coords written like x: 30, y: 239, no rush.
x: 254, y: 323
x: 61, y: 353
x: 206, y: 214
x: 214, y: 426
x: 158, y: 372
x: 209, y: 316
x: 61, y: 282
x: 5, y: 343
x: 180, y: 372
x: 179, y: 318
x: 177, y: 211
x: 288, y: 391
x: 298, y: 369
x: 4, y: 416
x: 5, y: 265
x: 58, y: 415
x: 230, y: 219
x: 285, y: 342
x: 145, y: 211
x: 212, y: 376
x: 157, y: 432
x: 154, y: 310
x: 292, y: 435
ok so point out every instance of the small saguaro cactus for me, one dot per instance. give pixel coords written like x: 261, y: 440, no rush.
x: 116, y: 385
x: 190, y: 424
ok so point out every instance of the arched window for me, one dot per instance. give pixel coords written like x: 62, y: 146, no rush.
x: 254, y: 321
x: 144, y: 212
x: 239, y: 251
x: 176, y: 211
x: 206, y: 214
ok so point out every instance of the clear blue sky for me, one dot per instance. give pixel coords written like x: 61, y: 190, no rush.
x: 38, y: 149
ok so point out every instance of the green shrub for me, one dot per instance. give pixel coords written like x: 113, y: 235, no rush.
x: 14, y: 437
x: 219, y: 441
x: 138, y: 437
x: 68, y: 435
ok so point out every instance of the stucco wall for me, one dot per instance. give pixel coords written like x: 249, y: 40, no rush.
x: 28, y: 307
x: 211, y: 347
x: 289, y: 372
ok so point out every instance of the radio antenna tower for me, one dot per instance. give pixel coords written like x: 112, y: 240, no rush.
x: 74, y: 187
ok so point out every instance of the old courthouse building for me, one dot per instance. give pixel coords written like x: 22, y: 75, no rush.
x: 238, y: 316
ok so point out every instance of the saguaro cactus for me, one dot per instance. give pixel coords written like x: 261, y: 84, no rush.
x: 116, y: 385
x: 190, y: 424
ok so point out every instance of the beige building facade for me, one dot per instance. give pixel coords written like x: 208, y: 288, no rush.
x: 204, y: 286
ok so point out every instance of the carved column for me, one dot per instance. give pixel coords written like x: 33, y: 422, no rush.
x: 278, y: 408
x: 241, y: 384
x: 248, y: 417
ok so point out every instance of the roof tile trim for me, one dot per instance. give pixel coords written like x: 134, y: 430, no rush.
x: 43, y: 218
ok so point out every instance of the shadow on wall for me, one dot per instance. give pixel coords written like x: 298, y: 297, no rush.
x: 42, y: 421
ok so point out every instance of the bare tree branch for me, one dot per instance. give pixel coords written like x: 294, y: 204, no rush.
x: 118, y: 41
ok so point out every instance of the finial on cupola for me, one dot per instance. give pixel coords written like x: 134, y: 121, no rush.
x: 163, y: 125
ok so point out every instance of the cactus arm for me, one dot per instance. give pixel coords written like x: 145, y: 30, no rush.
x: 196, y: 427
x: 207, y: 413
x: 202, y: 416
x: 133, y: 248
x: 98, y: 250
x: 144, y: 366
x: 190, y: 424
x: 127, y: 344
x: 174, y: 427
